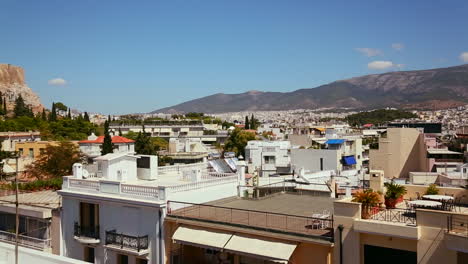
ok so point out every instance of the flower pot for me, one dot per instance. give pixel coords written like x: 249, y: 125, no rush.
x: 391, y: 203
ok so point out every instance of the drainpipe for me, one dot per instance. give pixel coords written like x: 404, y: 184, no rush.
x: 160, y: 236
x: 340, y: 228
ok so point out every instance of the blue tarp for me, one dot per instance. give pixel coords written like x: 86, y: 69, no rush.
x: 335, y: 141
x: 349, y: 160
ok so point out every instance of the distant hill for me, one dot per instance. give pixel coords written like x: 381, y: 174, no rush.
x: 425, y: 89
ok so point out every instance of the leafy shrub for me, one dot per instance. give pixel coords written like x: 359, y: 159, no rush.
x: 432, y: 190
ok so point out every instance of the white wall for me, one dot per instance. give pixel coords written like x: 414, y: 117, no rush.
x: 28, y: 256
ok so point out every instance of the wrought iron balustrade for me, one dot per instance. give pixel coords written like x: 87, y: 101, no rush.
x: 393, y: 215
x: 125, y: 241
x: 86, y: 231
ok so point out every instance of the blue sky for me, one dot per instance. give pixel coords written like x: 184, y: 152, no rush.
x: 138, y: 56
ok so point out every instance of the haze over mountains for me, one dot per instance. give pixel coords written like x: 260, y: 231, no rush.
x: 424, y: 89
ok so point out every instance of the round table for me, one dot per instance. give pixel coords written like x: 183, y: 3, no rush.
x: 437, y: 197
x: 424, y: 203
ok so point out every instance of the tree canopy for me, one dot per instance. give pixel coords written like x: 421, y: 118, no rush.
x: 107, y: 146
x: 378, y: 117
x: 238, y: 140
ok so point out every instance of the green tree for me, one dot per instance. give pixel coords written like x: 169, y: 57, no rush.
x: 107, y: 146
x: 237, y: 141
x: 55, y: 161
x: 86, y: 116
x: 53, y: 113
x: 5, y: 110
x: 43, y: 115
x: 247, y: 123
x: 60, y: 106
x: 120, y: 132
x: 21, y: 109
x: 69, y: 114
x: 253, y: 122
x: 144, y: 144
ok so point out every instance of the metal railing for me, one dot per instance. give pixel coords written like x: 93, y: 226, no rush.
x: 125, y: 241
x: 32, y: 242
x: 267, y: 221
x: 457, y: 224
x: 86, y: 231
x: 405, y: 216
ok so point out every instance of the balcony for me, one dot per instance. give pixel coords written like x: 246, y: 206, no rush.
x: 317, y: 227
x: 87, y: 234
x: 126, y: 242
x: 26, y: 241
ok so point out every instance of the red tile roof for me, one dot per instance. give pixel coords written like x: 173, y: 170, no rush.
x: 100, y: 140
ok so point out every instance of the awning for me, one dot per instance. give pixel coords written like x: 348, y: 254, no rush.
x: 335, y: 141
x: 201, y: 238
x: 261, y: 248
x: 349, y: 160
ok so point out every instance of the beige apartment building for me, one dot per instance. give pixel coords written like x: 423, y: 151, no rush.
x: 401, y: 150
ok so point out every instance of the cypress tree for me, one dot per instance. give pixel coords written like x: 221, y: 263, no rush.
x: 69, y: 114
x: 44, y: 116
x: 53, y: 113
x: 247, y: 124
x: 86, y: 116
x: 253, y: 123
x: 5, y: 110
x: 120, y: 132
x: 20, y: 107
x: 107, y: 146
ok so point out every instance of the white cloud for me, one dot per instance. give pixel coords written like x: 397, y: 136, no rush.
x: 383, y: 65
x: 464, y: 56
x: 57, y: 82
x: 369, y: 52
x: 398, y: 46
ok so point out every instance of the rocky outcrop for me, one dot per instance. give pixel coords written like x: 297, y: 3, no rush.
x: 12, y: 85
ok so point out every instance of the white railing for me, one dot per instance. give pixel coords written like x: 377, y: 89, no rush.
x: 201, y: 184
x: 215, y: 175
x: 25, y: 240
x: 141, y: 191
x: 179, y: 168
x: 83, y: 184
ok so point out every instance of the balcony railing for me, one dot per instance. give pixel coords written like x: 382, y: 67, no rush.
x: 26, y: 241
x: 86, y: 231
x: 458, y: 224
x: 125, y: 241
x: 393, y: 215
x: 272, y: 222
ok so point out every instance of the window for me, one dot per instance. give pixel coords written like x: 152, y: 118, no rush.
x: 89, y: 220
x: 321, y: 164
x: 20, y: 150
x: 31, y: 153
x: 122, y: 259
x: 141, y: 261
x: 89, y: 254
x: 269, y: 159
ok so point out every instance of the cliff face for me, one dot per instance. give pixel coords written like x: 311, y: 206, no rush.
x: 12, y: 85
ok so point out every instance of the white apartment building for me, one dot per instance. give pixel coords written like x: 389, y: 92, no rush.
x: 270, y: 157
x: 117, y: 214
x: 92, y: 146
x: 156, y: 130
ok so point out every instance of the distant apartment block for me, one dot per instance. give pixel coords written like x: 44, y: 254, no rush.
x: 269, y: 157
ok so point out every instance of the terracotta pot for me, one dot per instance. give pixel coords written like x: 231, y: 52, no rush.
x: 391, y: 203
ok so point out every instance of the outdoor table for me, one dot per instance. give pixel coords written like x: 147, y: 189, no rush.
x: 437, y: 197
x: 322, y: 224
x: 425, y: 203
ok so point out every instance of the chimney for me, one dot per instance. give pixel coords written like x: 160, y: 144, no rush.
x: 78, y: 171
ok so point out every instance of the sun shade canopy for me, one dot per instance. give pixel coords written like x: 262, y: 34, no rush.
x: 201, y: 238
x: 335, y: 141
x: 349, y: 160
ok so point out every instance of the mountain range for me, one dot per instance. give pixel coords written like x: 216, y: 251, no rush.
x: 422, y: 89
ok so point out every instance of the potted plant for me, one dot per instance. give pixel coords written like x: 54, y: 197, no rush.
x: 369, y: 199
x: 432, y: 190
x: 394, y: 194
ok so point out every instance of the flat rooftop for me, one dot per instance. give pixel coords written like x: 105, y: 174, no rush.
x: 281, y: 203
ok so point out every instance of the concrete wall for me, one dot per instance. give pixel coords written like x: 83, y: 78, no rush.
x: 55, y: 232
x: 309, y: 159
x: 27, y: 256
x: 456, y: 192
x: 127, y: 219
x: 400, y: 152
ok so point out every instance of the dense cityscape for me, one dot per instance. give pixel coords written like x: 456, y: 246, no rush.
x: 364, y: 166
